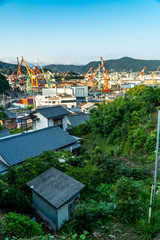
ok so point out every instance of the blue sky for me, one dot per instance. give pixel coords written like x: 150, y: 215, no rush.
x: 79, y: 31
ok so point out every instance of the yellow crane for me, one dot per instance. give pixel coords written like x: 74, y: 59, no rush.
x: 153, y: 75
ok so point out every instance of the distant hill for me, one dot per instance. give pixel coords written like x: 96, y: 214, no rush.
x: 8, y: 68
x: 118, y: 65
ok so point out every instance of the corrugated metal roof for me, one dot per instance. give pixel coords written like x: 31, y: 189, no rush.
x: 55, y: 186
x: 75, y: 120
x: 16, y: 148
x: 4, y: 133
x: 51, y: 112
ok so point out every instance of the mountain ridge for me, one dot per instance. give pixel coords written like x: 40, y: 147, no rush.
x: 118, y: 65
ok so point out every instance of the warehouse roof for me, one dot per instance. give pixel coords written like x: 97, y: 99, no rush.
x: 54, y: 111
x: 55, y: 186
x: 16, y: 148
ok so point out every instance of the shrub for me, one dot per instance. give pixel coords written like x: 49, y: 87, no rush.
x: 14, y: 200
x: 86, y: 215
x: 128, y: 199
x: 21, y: 226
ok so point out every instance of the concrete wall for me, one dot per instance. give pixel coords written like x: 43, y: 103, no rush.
x: 80, y: 91
x: 3, y: 167
x: 63, y: 215
x: 42, y: 122
x: 47, y: 209
x: 50, y: 122
x: 64, y: 121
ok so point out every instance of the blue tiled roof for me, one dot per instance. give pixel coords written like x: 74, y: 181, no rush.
x: 75, y: 120
x: 11, y: 114
x: 51, y: 112
x: 4, y: 133
x: 16, y: 148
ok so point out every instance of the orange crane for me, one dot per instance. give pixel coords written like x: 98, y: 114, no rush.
x: 20, y: 75
x: 91, y: 78
x: 13, y: 79
x: 106, y: 76
x: 33, y: 73
x: 141, y: 73
x: 86, y: 75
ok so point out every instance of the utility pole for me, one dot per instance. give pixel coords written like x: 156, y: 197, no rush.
x: 156, y: 162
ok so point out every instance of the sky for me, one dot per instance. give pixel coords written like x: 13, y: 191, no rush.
x: 79, y: 31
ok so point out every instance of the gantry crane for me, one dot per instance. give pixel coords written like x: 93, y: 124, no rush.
x: 33, y: 73
x: 86, y: 75
x: 92, y: 76
x: 153, y: 75
x: 48, y: 79
x: 106, y: 76
x: 12, y: 78
x: 141, y: 73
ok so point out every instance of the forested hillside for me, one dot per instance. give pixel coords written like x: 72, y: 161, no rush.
x: 4, y: 85
x: 127, y: 126
x: 118, y: 65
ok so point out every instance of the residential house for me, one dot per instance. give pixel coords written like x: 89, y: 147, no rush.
x: 50, y: 116
x: 88, y: 106
x: 10, y: 122
x: 15, y: 149
x: 55, y: 195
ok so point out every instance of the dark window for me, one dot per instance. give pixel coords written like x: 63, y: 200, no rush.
x: 58, y: 122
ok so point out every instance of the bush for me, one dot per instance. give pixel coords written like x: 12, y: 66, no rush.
x: 86, y: 215
x: 14, y: 200
x: 128, y: 199
x: 21, y: 226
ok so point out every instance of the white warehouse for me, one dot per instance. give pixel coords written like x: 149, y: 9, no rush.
x: 76, y: 91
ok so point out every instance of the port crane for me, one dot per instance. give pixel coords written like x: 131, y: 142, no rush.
x: 92, y: 76
x: 86, y: 75
x: 47, y: 78
x: 33, y: 73
x: 141, y: 73
x: 153, y: 75
x: 106, y: 76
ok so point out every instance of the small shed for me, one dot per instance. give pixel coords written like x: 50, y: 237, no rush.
x: 55, y: 195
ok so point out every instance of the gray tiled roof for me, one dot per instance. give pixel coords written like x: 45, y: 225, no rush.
x: 4, y: 133
x: 55, y: 186
x: 51, y: 112
x: 16, y: 148
x: 75, y: 120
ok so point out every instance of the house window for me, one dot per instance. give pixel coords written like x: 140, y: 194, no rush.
x: 58, y: 122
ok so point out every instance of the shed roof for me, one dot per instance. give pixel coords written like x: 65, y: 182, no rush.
x: 54, y: 111
x: 16, y: 148
x: 4, y: 133
x: 55, y: 186
x: 88, y: 105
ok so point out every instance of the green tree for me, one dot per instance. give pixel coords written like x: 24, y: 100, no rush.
x: 4, y: 85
